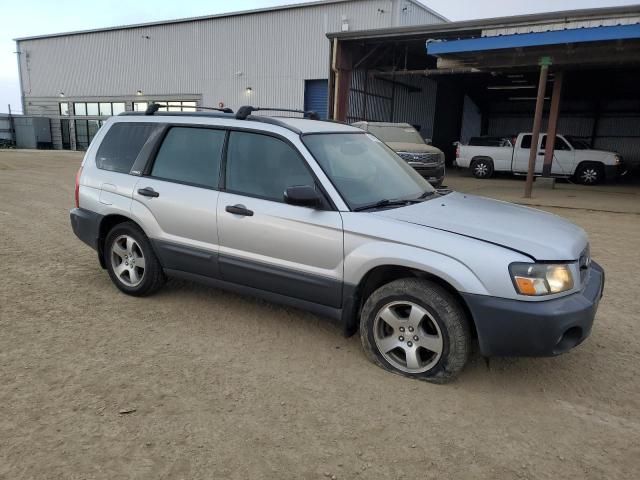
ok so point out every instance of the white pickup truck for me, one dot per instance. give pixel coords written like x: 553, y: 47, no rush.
x: 571, y: 158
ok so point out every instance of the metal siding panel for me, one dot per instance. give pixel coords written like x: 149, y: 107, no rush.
x: 275, y: 51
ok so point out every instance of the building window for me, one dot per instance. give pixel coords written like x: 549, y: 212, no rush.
x: 167, y: 106
x: 64, y: 109
x: 85, y: 131
x: 66, y: 136
x: 92, y: 109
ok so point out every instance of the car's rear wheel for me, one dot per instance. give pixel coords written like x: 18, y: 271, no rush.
x: 482, y: 168
x: 415, y: 328
x: 131, y: 262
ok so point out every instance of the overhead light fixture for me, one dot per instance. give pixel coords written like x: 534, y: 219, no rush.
x: 515, y: 99
x: 249, y: 90
x: 61, y: 94
x: 509, y: 87
x: 139, y: 92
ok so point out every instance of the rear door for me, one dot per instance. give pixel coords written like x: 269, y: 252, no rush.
x: 176, y: 201
x: 268, y: 244
x: 521, y: 155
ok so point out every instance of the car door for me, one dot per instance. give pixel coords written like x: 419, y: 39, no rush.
x: 176, y: 202
x: 268, y: 244
x: 521, y: 154
x: 563, y: 156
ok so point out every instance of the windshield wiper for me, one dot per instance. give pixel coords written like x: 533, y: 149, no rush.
x: 382, y: 203
x: 426, y: 194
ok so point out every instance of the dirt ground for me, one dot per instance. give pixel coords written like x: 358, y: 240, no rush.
x: 223, y: 386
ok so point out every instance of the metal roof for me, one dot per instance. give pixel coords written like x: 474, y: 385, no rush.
x: 453, y: 28
x: 537, y: 39
x: 211, y: 17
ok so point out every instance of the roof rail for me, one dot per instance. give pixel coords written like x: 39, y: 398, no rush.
x: 246, y: 110
x: 154, y: 107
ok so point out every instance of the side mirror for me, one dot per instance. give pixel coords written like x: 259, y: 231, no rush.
x: 302, y: 195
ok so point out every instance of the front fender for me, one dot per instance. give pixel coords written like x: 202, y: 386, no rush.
x: 364, y: 258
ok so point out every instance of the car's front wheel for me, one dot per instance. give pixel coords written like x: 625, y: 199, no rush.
x: 131, y: 262
x: 415, y: 328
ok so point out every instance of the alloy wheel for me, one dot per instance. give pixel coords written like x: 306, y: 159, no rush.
x: 408, y: 337
x: 127, y: 260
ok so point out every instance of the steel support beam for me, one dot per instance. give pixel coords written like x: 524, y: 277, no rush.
x: 537, y: 122
x: 552, y: 129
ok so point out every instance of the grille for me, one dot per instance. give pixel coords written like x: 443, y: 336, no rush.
x: 420, y: 157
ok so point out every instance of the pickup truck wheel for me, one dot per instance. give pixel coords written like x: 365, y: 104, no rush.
x: 589, y: 173
x: 415, y: 328
x: 131, y: 262
x: 482, y: 168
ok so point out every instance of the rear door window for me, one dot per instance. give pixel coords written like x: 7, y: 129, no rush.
x: 121, y: 145
x: 526, y: 141
x: 190, y: 155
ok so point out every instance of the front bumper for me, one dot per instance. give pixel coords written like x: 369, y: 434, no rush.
x: 433, y: 174
x: 519, y: 328
x: 611, y: 172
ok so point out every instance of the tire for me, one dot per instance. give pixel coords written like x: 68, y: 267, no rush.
x: 439, y: 324
x: 482, y: 168
x: 589, y: 173
x: 125, y: 243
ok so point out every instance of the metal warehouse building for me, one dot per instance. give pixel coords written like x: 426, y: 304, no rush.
x: 271, y: 57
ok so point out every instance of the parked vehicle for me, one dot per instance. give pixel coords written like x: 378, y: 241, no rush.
x: 572, y: 158
x: 405, y: 140
x: 324, y: 217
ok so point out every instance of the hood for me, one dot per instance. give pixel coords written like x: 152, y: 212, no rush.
x: 538, y: 234
x: 412, y: 147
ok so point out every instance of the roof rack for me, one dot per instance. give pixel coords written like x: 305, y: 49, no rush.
x: 246, y: 110
x: 154, y: 107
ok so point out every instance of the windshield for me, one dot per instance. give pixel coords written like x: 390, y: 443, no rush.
x: 578, y: 144
x: 363, y: 169
x: 396, y: 134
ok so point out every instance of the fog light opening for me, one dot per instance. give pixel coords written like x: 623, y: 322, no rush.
x: 569, y: 339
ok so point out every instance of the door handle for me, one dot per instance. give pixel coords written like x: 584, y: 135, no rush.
x: 148, y: 192
x: 540, y: 153
x: 239, y: 210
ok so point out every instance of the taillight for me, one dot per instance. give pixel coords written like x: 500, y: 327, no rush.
x: 78, y: 187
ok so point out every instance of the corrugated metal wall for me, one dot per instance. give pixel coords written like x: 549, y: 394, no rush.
x: 562, y: 24
x: 271, y: 52
x: 378, y: 100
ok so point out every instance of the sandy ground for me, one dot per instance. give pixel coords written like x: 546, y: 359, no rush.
x: 230, y: 387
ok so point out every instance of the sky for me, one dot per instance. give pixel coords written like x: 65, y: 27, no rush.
x: 37, y: 17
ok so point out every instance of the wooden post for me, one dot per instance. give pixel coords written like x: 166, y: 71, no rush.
x: 537, y: 122
x: 553, y: 124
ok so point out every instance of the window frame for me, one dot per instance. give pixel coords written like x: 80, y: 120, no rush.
x: 327, y: 202
x: 153, y: 154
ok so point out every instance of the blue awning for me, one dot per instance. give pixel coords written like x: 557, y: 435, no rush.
x: 538, y: 39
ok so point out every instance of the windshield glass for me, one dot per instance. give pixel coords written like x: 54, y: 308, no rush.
x: 363, y: 169
x: 396, y: 134
x: 578, y: 144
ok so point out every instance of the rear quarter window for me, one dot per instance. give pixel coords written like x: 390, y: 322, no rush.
x: 122, y: 144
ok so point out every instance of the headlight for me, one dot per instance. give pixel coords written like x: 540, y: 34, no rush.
x: 535, y: 279
x: 617, y: 159
x: 441, y: 159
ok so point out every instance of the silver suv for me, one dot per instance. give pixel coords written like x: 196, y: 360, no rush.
x: 324, y: 217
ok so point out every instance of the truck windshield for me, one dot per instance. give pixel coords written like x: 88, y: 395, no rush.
x: 397, y: 134
x: 577, y: 143
x: 364, y: 170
